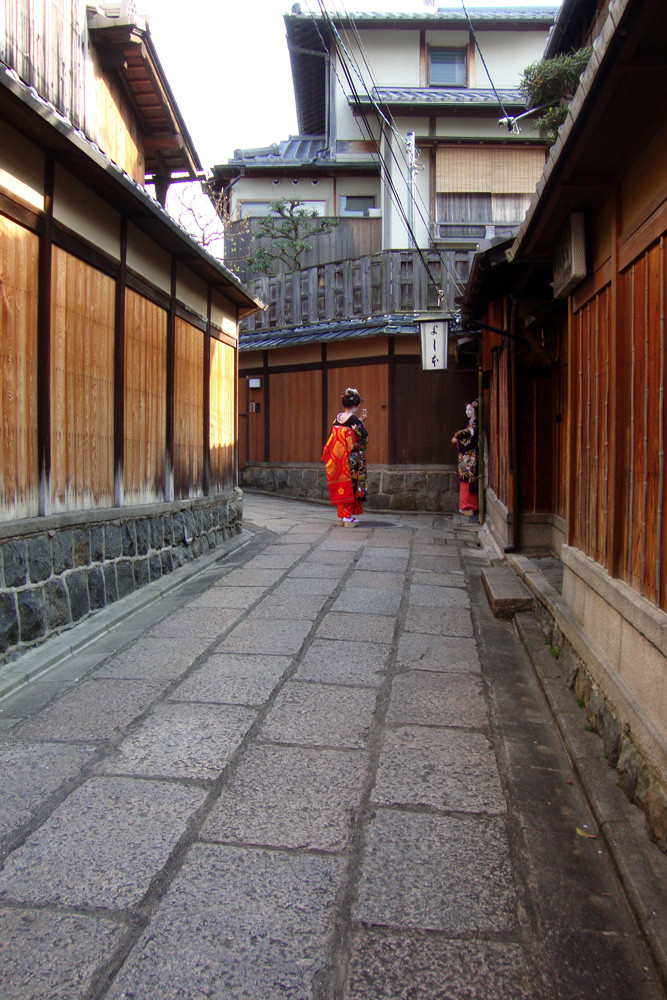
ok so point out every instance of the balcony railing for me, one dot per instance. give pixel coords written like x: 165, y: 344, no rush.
x: 394, y: 281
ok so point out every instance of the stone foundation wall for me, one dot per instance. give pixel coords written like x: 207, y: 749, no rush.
x: 429, y: 488
x: 57, y: 570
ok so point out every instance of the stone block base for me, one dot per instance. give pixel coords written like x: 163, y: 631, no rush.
x: 57, y: 570
x: 390, y: 487
x: 506, y: 593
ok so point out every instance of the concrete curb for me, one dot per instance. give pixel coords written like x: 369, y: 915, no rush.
x: 35, y: 662
x: 641, y: 866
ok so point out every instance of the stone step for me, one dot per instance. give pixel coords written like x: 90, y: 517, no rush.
x: 505, y: 591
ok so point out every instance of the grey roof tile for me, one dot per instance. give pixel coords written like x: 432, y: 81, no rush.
x: 442, y: 96
x: 539, y: 15
x: 325, y: 332
x: 298, y: 149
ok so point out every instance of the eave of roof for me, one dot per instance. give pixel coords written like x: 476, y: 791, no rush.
x: 609, y: 114
x: 44, y: 125
x: 444, y: 99
x: 126, y: 48
x: 320, y: 333
x: 488, y: 17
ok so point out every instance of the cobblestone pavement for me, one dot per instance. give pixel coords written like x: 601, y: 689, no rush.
x: 319, y: 769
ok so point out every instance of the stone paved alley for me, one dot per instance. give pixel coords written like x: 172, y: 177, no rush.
x: 317, y: 769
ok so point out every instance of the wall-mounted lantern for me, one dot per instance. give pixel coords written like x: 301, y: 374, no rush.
x: 254, y: 383
x: 434, y: 337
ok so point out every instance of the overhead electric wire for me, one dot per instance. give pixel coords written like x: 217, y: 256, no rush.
x: 394, y: 195
x: 481, y: 56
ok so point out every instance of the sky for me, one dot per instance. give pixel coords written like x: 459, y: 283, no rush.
x: 228, y: 66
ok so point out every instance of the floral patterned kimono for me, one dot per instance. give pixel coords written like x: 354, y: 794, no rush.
x: 466, y: 443
x: 344, y: 456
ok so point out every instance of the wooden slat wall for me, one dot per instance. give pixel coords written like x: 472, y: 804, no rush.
x: 145, y: 399
x: 222, y: 416
x: 188, y: 411
x: 430, y: 407
x: 499, y: 475
x: 643, y: 508
x: 372, y: 382
x: 19, y: 479
x: 82, y: 380
x: 589, y: 413
x: 296, y: 425
x: 535, y: 403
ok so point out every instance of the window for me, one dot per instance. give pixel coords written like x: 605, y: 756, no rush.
x: 447, y: 67
x: 477, y: 215
x: 357, y: 204
x: 257, y: 209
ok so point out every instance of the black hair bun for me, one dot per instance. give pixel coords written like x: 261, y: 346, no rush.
x: 350, y: 398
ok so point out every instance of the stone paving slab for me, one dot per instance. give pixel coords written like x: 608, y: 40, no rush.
x: 233, y: 679
x: 334, y: 661
x: 182, y: 740
x: 229, y: 596
x: 30, y: 774
x: 290, y: 797
x: 330, y: 557
x: 52, y: 956
x: 236, y: 923
x: 318, y: 570
x: 292, y: 586
x: 278, y: 558
x: 154, y: 659
x: 377, y: 562
x: 93, y: 710
x: 34, y: 696
x: 451, y: 654
x: 264, y: 635
x: 82, y: 855
x: 430, y: 698
x: 439, y: 621
x: 206, y: 624
x: 369, y: 601
x: 360, y: 627
x: 282, y: 605
x: 360, y: 579
x: 402, y: 967
x: 441, y: 768
x: 431, y: 578
x: 440, y: 873
x: 243, y: 577
x: 423, y: 595
x: 320, y: 715
x: 446, y: 562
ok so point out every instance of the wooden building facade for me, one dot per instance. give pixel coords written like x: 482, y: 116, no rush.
x: 576, y: 417
x: 118, y: 353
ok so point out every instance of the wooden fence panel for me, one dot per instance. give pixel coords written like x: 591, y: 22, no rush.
x: 145, y: 399
x: 372, y: 381
x: 188, y: 411
x: 82, y: 385
x: 296, y: 423
x: 222, y: 415
x: 430, y: 407
x: 19, y: 473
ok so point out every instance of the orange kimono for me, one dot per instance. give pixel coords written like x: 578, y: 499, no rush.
x: 336, y: 456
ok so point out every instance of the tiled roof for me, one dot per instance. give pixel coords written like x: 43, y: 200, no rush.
x: 298, y: 149
x: 539, y: 15
x: 441, y: 97
x: 319, y: 333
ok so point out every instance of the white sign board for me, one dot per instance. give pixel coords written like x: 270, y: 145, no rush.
x: 434, y: 344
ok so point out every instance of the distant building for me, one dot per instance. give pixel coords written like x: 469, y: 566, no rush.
x: 363, y: 82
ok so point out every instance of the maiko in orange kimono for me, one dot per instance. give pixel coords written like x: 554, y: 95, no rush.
x: 336, y: 456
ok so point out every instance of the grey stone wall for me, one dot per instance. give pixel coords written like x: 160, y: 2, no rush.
x: 428, y: 488
x: 55, y: 571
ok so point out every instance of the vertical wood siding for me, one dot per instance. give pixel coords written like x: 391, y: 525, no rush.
x: 82, y: 381
x: 296, y: 425
x: 499, y: 475
x: 372, y: 381
x: 589, y: 415
x: 19, y: 479
x: 188, y: 411
x: 145, y: 399
x: 642, y: 490
x: 222, y: 431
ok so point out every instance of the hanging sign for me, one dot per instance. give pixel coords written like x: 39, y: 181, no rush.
x: 434, y: 343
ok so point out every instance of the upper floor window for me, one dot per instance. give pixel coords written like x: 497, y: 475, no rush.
x: 356, y: 204
x: 447, y: 67
x: 258, y: 209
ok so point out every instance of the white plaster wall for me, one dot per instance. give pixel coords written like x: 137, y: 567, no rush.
x: 148, y: 259
x: 223, y: 314
x: 75, y: 206
x: 507, y: 53
x: 191, y: 291
x: 263, y: 189
x: 21, y: 169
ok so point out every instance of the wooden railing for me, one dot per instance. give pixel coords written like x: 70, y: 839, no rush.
x: 394, y: 281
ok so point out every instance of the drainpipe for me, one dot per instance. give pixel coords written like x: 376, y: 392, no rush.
x: 515, y: 451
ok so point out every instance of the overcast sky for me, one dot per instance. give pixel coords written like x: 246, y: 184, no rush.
x: 227, y: 64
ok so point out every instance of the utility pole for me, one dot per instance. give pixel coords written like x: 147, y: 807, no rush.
x: 412, y: 178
